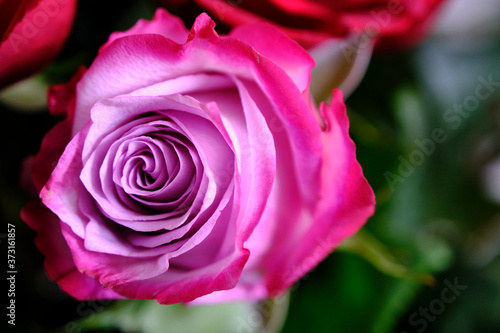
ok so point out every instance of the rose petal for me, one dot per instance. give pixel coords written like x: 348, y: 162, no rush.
x: 63, y: 191
x: 335, y: 217
x: 58, y: 259
x: 285, y: 52
x: 52, y: 147
x: 108, y: 268
x: 163, y: 23
x: 179, y: 286
x: 295, y: 130
x: 190, y: 85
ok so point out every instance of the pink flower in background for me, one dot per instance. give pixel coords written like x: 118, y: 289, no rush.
x: 394, y: 23
x: 191, y: 164
x: 32, y: 34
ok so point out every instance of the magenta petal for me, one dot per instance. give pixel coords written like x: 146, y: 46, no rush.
x: 61, y: 97
x: 335, y: 217
x: 277, y: 46
x: 163, y: 23
x: 53, y: 145
x: 295, y: 131
x: 58, y: 259
x: 108, y: 268
x: 257, y: 160
x: 63, y: 191
x: 251, y: 287
x: 203, y: 27
x: 189, y: 84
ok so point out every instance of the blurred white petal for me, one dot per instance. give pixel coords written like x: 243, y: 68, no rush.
x: 339, y: 64
x: 469, y: 23
x: 29, y: 95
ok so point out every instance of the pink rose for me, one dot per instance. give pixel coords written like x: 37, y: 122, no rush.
x: 395, y: 23
x: 191, y: 163
x: 33, y: 33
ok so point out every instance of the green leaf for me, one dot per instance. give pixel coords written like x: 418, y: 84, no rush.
x: 368, y: 247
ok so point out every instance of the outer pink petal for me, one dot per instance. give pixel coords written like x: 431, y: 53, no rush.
x: 277, y: 46
x: 35, y: 40
x: 296, y: 131
x: 177, y: 286
x: 109, y: 269
x: 251, y: 287
x: 58, y: 259
x: 61, y: 97
x: 345, y: 204
x: 163, y: 23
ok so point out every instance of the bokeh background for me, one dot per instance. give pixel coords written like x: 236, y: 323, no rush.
x: 426, y: 122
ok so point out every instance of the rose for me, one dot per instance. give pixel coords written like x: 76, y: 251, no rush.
x: 33, y: 33
x: 192, y: 163
x: 394, y: 23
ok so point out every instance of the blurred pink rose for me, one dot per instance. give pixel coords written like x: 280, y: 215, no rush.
x: 33, y: 33
x: 191, y: 163
x: 394, y: 23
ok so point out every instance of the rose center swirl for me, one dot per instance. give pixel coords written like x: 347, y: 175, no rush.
x: 150, y: 174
